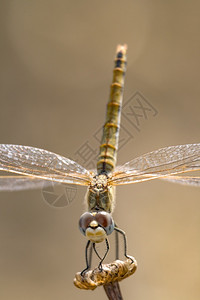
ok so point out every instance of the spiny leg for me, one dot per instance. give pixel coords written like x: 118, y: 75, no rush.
x: 107, y: 249
x: 86, y: 258
x: 125, y: 243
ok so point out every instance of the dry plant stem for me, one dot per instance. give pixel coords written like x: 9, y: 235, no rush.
x: 113, y: 291
x: 108, y: 274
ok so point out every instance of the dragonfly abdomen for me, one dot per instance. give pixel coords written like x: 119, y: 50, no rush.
x: 109, y: 144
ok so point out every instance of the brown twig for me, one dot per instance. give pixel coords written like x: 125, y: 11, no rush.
x: 113, y: 291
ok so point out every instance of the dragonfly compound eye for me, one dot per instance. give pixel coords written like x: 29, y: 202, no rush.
x: 85, y: 221
x: 105, y: 220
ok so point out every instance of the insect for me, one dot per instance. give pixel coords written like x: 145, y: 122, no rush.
x: 36, y: 166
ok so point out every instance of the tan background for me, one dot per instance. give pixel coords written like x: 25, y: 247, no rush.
x: 56, y: 67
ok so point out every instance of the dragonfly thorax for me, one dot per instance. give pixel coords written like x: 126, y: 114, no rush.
x: 99, y: 182
x: 100, y: 194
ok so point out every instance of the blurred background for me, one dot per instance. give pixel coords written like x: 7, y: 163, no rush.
x: 56, y: 69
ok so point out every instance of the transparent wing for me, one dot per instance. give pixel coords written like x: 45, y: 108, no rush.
x: 19, y: 183
x: 186, y: 180
x: 162, y: 163
x: 42, y: 164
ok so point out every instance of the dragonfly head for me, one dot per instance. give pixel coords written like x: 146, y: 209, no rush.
x: 96, y: 225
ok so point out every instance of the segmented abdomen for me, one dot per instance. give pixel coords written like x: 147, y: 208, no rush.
x: 109, y: 144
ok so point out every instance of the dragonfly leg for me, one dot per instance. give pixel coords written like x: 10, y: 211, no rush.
x: 90, y: 256
x: 88, y: 262
x: 95, y: 250
x: 102, y: 259
x: 125, y: 243
x: 116, y: 244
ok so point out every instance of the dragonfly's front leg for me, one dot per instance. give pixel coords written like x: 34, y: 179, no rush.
x: 102, y: 259
x: 125, y: 243
x: 95, y: 250
x: 88, y: 262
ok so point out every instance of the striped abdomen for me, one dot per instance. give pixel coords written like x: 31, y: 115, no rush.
x: 108, y: 149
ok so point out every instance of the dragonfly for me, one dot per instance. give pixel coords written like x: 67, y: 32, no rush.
x: 35, y: 166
